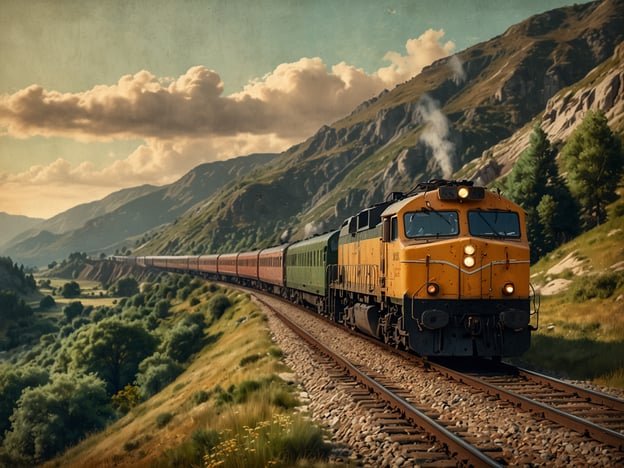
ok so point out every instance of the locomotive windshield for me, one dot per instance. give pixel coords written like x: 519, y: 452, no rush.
x: 431, y: 223
x: 494, y: 224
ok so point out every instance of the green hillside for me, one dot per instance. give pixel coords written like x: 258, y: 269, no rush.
x: 581, y: 321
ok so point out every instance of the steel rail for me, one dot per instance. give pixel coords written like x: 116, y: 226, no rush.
x: 591, y: 395
x: 463, y: 452
x: 583, y: 426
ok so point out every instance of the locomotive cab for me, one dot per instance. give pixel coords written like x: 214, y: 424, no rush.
x: 456, y: 263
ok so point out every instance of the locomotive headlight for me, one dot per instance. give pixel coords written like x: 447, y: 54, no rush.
x: 433, y: 289
x: 508, y: 289
x: 463, y: 192
x: 469, y: 249
x: 469, y: 261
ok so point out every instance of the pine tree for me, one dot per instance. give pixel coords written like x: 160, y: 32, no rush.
x: 536, y: 186
x: 594, y: 160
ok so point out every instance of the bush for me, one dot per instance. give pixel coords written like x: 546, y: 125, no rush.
x: 249, y: 360
x: 183, y: 340
x: 163, y: 419
x: 13, y: 380
x: 237, y: 393
x: 199, y: 397
x: 47, y: 303
x: 126, y: 399
x: 155, y: 373
x: 218, y: 304
x: 600, y: 286
x: 72, y: 310
x: 51, y: 417
x: 71, y: 289
x: 126, y: 287
x: 161, y: 309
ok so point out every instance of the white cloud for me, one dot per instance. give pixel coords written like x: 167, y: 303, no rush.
x: 187, y: 120
x: 293, y: 100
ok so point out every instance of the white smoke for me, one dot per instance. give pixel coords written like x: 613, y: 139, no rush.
x: 312, y: 229
x: 459, y: 75
x: 436, y: 133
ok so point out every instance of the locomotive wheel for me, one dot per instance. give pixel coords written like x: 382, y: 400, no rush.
x: 400, y: 335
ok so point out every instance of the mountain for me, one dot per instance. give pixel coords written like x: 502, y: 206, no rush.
x: 458, y: 117
x: 110, y: 222
x: 12, y: 225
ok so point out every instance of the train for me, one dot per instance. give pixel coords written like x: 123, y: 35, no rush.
x: 441, y: 270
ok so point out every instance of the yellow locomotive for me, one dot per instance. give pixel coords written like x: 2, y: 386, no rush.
x: 443, y: 271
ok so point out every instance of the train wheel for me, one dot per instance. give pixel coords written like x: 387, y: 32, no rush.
x: 400, y: 335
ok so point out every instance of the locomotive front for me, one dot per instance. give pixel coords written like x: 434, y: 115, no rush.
x: 457, y: 262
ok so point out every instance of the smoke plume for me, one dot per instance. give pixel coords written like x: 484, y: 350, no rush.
x: 436, y: 134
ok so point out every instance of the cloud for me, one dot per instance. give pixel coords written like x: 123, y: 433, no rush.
x: 294, y: 100
x: 421, y: 52
x: 187, y: 120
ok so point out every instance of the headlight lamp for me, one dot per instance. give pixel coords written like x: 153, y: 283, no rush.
x: 433, y: 289
x: 508, y: 289
x: 469, y: 261
x: 463, y: 192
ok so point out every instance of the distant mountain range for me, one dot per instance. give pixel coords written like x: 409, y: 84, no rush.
x: 466, y: 116
x: 114, y: 221
x: 13, y: 225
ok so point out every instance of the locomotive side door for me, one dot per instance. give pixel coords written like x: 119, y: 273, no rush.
x: 390, y: 265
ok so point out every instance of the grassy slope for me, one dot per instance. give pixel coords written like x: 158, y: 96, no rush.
x: 578, y: 337
x: 136, y: 440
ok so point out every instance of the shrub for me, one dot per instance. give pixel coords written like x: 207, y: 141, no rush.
x: 126, y: 399
x: 50, y: 417
x: 126, y: 287
x: 163, y: 419
x: 71, y: 289
x: 183, y: 340
x: 47, y: 303
x: 218, y: 304
x: 73, y: 310
x: 161, y: 309
x: 600, y: 286
x: 155, y: 373
x: 276, y: 352
x: 13, y: 380
x: 249, y: 359
x: 199, y: 397
x: 183, y: 293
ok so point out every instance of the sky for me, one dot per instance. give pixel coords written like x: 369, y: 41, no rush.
x: 100, y: 95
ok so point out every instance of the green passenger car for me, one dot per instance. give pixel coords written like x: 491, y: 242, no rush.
x: 307, y: 263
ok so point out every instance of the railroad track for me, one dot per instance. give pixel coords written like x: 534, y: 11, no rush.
x: 592, y: 414
x: 424, y: 440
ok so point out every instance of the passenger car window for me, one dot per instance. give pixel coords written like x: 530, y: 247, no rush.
x: 431, y: 223
x: 494, y: 223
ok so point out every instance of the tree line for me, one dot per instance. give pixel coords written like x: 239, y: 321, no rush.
x: 559, y: 208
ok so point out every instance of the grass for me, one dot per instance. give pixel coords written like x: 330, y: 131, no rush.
x: 228, y: 407
x: 581, y: 333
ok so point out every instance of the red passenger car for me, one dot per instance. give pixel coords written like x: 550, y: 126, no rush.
x: 247, y: 264
x: 208, y: 264
x: 271, y: 265
x: 226, y: 264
